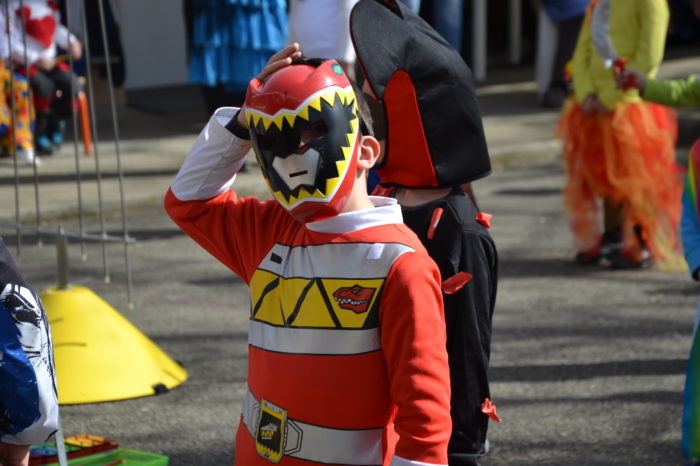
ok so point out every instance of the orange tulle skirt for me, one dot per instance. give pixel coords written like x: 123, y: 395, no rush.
x: 626, y: 157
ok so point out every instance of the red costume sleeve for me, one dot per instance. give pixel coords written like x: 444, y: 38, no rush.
x: 413, y: 341
x: 235, y: 231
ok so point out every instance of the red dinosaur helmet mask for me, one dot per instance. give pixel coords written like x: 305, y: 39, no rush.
x: 304, y: 128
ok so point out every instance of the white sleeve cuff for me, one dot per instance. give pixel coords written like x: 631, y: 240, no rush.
x: 211, y: 166
x: 398, y: 461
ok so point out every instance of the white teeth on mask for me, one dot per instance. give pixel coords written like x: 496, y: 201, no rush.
x: 350, y: 301
x: 297, y: 169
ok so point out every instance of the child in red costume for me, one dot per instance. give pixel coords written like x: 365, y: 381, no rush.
x: 347, y: 360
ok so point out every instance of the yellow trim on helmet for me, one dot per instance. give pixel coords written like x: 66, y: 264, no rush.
x: 329, y: 94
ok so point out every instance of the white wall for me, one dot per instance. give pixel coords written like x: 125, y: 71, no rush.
x: 153, y: 37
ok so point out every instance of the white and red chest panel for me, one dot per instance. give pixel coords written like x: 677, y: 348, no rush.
x: 346, y: 337
x: 40, y: 18
x: 315, y: 329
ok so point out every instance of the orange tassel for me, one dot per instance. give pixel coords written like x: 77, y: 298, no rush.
x: 489, y: 409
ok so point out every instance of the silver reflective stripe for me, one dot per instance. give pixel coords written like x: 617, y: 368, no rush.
x: 600, y: 32
x: 312, y: 340
x: 322, y: 444
x: 333, y: 260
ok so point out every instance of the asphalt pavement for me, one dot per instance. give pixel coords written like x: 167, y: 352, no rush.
x: 587, y: 363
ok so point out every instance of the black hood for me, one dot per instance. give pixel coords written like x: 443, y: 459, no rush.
x: 435, y: 136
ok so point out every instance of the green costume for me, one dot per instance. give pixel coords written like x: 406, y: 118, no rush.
x: 674, y: 93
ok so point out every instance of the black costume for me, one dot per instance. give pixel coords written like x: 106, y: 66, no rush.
x: 424, y: 106
x: 461, y: 244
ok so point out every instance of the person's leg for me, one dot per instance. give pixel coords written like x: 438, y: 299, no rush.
x: 567, y: 34
x: 583, y: 151
x: 640, y: 148
x: 611, y: 243
x: 43, y: 89
x: 414, y: 5
x: 7, y: 137
x: 5, y: 113
x: 447, y: 15
x: 62, y: 106
x: 66, y: 83
x: 545, y: 53
x: 23, y: 118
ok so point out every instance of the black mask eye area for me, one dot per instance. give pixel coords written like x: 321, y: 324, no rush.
x: 313, y: 132
x: 326, y: 130
x: 289, y: 140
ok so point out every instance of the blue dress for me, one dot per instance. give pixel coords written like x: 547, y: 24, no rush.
x: 233, y: 39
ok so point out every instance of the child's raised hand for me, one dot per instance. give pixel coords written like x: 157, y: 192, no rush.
x: 279, y: 60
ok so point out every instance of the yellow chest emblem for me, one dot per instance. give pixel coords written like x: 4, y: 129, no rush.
x: 316, y: 303
x: 331, y: 286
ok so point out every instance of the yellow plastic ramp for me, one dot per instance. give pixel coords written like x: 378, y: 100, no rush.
x: 100, y: 355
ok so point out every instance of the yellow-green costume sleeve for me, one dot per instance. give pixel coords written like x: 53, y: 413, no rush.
x: 674, y: 93
x: 581, y: 62
x: 637, y: 32
x: 652, y: 17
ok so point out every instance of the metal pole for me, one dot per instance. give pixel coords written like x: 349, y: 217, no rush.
x: 61, y: 445
x: 79, y: 236
x: 62, y: 255
x: 120, y: 172
x: 36, y: 178
x: 98, y: 172
x: 73, y: 93
x: 515, y: 32
x: 13, y: 151
x: 479, y: 39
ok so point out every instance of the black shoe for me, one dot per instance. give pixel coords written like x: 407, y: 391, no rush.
x: 554, y: 98
x: 611, y: 244
x: 587, y: 258
x: 626, y: 262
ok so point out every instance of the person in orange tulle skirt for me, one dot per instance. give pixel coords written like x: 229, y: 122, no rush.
x: 623, y: 187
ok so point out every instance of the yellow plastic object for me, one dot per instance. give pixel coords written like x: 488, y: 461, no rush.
x: 100, y: 355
